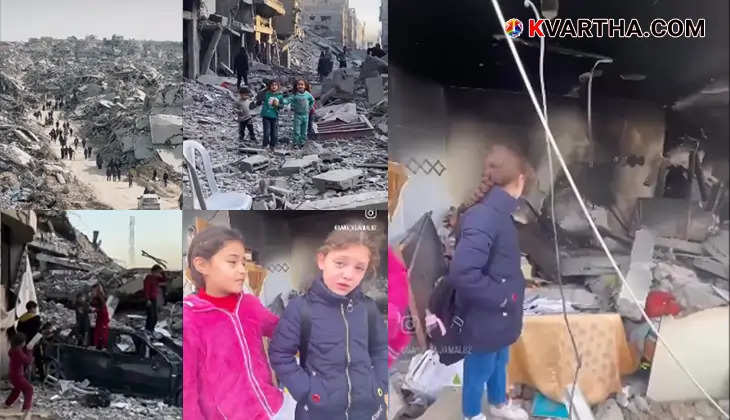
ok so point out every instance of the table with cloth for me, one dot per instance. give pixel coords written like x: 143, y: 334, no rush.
x: 543, y: 356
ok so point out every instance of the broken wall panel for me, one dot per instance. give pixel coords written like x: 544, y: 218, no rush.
x: 706, y: 330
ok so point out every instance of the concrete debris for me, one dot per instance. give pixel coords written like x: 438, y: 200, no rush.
x: 609, y: 410
x: 131, y: 80
x: 344, y: 112
x: 293, y: 166
x: 717, y: 246
x: 590, y: 265
x: 639, y: 276
x: 166, y: 129
x: 339, y: 179
x: 255, y: 163
x: 376, y: 90
x: 692, y: 294
x: 210, y: 118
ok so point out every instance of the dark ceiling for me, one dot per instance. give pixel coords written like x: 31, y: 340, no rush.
x: 453, y: 43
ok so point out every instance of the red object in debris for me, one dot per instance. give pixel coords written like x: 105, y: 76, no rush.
x: 315, y: 398
x: 226, y: 85
x: 660, y: 304
x: 514, y: 297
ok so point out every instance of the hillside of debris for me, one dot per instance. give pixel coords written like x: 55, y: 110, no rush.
x: 124, y: 96
x: 347, y: 155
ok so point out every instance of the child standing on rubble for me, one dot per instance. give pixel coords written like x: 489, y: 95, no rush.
x: 273, y: 101
x: 302, y: 104
x: 339, y: 333
x: 485, y: 273
x: 245, y: 119
x: 101, y: 329
x: 225, y: 371
x: 20, y: 358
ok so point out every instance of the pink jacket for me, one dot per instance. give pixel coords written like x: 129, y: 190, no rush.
x: 398, y: 338
x: 226, y: 374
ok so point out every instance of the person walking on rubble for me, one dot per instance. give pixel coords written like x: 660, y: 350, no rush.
x: 76, y: 142
x: 488, y: 282
x: 108, y: 173
x: 30, y: 325
x: 101, y: 329
x: 154, y: 175
x: 241, y: 67
x: 165, y: 177
x: 129, y: 179
x: 70, y: 153
x: 151, y: 291
x: 20, y: 358
x: 83, y: 324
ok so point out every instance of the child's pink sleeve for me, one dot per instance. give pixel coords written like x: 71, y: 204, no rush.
x: 191, y: 380
x: 267, y: 318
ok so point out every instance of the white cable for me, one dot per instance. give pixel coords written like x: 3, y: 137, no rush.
x: 576, y: 353
x: 583, y: 207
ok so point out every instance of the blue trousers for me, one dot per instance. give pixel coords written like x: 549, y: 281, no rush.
x: 480, y: 370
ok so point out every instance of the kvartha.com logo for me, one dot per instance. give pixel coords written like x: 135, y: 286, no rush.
x: 606, y: 28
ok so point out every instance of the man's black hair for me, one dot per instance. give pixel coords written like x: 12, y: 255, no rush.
x: 31, y: 305
x: 245, y: 90
x: 156, y: 267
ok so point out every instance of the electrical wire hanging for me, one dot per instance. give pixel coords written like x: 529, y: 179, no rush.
x: 576, y: 353
x: 594, y: 228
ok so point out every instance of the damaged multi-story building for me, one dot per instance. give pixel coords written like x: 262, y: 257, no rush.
x: 332, y: 19
x: 215, y: 30
x: 17, y: 228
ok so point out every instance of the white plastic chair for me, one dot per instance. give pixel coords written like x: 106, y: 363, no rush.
x: 218, y: 200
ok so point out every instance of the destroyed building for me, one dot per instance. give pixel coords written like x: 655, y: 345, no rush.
x: 290, y: 23
x: 642, y: 135
x: 45, y: 258
x: 214, y: 32
x: 127, y: 112
x: 343, y: 165
x: 329, y: 19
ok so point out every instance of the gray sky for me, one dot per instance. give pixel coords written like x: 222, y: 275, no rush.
x: 156, y: 231
x: 369, y: 12
x: 158, y: 20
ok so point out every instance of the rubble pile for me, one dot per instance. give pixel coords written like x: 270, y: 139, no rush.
x: 111, y: 89
x: 66, y: 400
x: 286, y: 178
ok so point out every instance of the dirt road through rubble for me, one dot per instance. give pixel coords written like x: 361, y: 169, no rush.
x: 116, y: 194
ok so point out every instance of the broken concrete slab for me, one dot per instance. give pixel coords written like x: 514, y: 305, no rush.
x: 293, y: 166
x: 337, y: 129
x: 339, y: 179
x: 344, y: 112
x: 590, y: 265
x: 255, y: 163
x: 166, y: 129
x: 377, y: 200
x: 706, y: 330
x: 376, y: 91
x: 16, y: 154
x: 373, y: 66
x: 639, y: 276
x: 717, y: 246
x: 344, y: 80
x: 674, y: 218
x: 679, y: 245
x: 713, y: 267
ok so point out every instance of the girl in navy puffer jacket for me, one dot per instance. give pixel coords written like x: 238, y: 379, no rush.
x: 485, y: 272
x: 344, y: 376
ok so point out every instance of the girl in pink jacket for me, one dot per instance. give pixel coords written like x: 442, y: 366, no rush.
x: 398, y: 337
x: 226, y: 372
